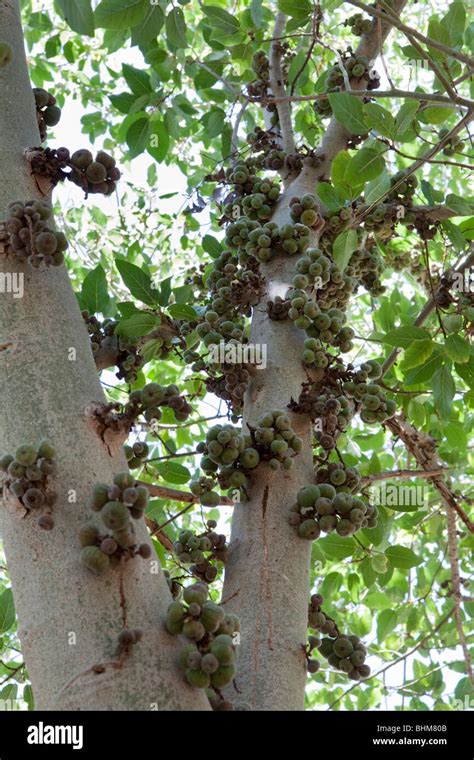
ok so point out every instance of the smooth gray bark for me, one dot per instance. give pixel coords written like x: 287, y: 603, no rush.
x: 68, y: 619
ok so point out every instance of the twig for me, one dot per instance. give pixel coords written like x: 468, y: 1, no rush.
x: 456, y: 589
x: 404, y: 474
x: 173, y: 495
x: 278, y: 89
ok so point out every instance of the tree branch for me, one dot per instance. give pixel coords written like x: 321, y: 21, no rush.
x: 171, y: 494
x: 393, y: 19
x: 392, y: 93
x: 405, y: 474
x: 456, y: 593
x: 278, y: 89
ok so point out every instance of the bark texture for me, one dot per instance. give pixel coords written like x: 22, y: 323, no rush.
x: 68, y: 619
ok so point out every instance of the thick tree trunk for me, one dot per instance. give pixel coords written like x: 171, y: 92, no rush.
x: 68, y: 619
x: 267, y: 574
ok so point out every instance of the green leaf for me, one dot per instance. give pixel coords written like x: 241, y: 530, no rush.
x: 137, y: 136
x: 336, y: 547
x: 367, y: 164
x: 176, y: 28
x: 405, y: 118
x: 329, y: 196
x: 386, y: 622
x: 348, y: 111
x: 213, y: 122
x: 376, y: 189
x: 7, y: 610
x: 221, y: 19
x: 78, y: 14
x: 151, y: 348
x: 173, y: 473
x: 435, y: 115
x: 150, y: 26
x: 417, y: 353
x: 120, y: 14
x: 458, y: 204
x: 256, y: 12
x: 212, y: 246
x: 402, y: 337
x: 137, y: 79
x: 138, y: 325
x: 443, y: 391
x: 182, y: 311
x: 344, y: 246
x: 380, y: 119
x: 425, y: 371
x: 159, y: 141
x: 457, y: 348
x: 298, y: 9
x: 137, y: 281
x: 94, y: 295
x: 453, y: 24
x: 402, y: 557
x: 123, y: 102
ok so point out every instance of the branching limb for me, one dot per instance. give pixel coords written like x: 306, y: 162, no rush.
x: 456, y: 589
x: 434, y: 97
x: 404, y: 474
x: 277, y: 86
x: 173, y: 495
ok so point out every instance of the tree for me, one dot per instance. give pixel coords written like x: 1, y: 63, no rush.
x: 341, y: 228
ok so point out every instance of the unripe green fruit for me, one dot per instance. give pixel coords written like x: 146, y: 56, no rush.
x: 124, y: 537
x: 5, y: 462
x: 306, y: 496
x: 343, y: 647
x: 197, y: 593
x: 26, y: 455
x: 309, y: 529
x: 249, y: 458
x: 210, y: 499
x: 222, y: 648
x: 223, y: 676
x: 88, y: 535
x: 358, y: 70
x: 357, y: 658
x: 212, y: 616
x: 115, y: 515
x: 194, y: 630
x: 100, y: 496
x: 124, y: 480
x: 197, y: 678
x: 209, y: 663
x: 94, y: 559
x: 309, y: 217
x: 6, y: 54
x: 52, y: 115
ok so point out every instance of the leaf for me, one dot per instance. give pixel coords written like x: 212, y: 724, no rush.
x: 386, y: 622
x: 176, y: 28
x: 417, y: 353
x: 348, y: 111
x: 150, y: 26
x: 137, y: 281
x: 158, y: 141
x: 221, y: 19
x: 173, y: 473
x: 458, y: 204
x: 213, y: 122
x: 7, y: 610
x: 453, y: 23
x: 137, y: 136
x: 211, y: 245
x: 344, y: 246
x: 256, y: 12
x: 78, y: 14
x: 435, y: 115
x: 402, y: 557
x: 367, y: 164
x: 337, y: 547
x: 94, y: 295
x: 138, y: 325
x: 137, y: 79
x: 120, y: 14
x: 151, y: 348
x: 401, y: 337
x: 425, y: 371
x: 405, y: 116
x: 376, y: 189
x: 329, y: 196
x: 443, y: 391
x: 457, y: 348
x: 296, y: 8
x: 182, y: 311
x: 123, y: 102
x: 380, y: 119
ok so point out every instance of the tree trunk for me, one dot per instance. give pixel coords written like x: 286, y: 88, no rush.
x: 68, y: 619
x: 267, y: 573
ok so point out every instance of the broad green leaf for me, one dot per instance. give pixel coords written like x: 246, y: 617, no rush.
x: 386, y: 622
x: 453, y: 24
x: 417, y: 353
x: 405, y: 116
x: 172, y: 472
x: 176, y: 28
x: 380, y: 119
x: 329, y: 196
x: 221, y: 19
x: 443, y: 391
x: 138, y: 325
x: 213, y: 122
x: 425, y: 371
x: 137, y: 79
x: 459, y: 205
x: 435, y: 115
x: 78, y: 14
x: 137, y: 281
x: 123, y: 102
x: 182, y: 311
x: 344, y: 246
x: 402, y: 557
x: 376, y: 190
x: 211, y: 245
x: 120, y: 14
x: 149, y: 27
x: 457, y: 348
x: 138, y: 137
x: 403, y: 336
x: 298, y: 9
x: 336, y: 547
x: 348, y: 111
x: 7, y: 610
x: 94, y: 295
x: 366, y: 165
x: 159, y: 141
